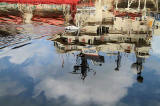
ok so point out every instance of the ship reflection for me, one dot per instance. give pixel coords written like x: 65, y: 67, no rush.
x: 83, y: 66
x: 97, y: 30
x: 90, y: 47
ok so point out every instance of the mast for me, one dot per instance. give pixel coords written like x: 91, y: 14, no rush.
x: 157, y: 6
x: 128, y: 4
x: 116, y: 4
x: 145, y: 5
x: 139, y: 5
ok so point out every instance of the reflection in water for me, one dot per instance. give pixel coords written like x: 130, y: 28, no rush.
x: 118, y: 61
x: 79, y: 52
x: 121, y: 35
x: 82, y: 64
x: 138, y: 65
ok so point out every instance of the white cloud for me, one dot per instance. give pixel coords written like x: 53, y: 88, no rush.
x: 155, y: 45
x: 107, y: 88
x: 20, y: 55
x: 9, y: 87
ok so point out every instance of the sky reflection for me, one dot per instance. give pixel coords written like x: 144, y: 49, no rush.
x: 106, y: 88
x: 51, y: 81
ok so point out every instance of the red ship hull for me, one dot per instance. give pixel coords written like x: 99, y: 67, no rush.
x: 41, y: 1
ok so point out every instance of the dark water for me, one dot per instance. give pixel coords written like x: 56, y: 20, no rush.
x: 41, y: 65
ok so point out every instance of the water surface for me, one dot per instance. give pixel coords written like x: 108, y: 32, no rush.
x: 42, y: 65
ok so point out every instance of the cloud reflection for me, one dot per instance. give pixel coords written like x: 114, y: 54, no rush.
x: 107, y: 88
x: 20, y: 55
x: 9, y: 87
x: 155, y: 45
